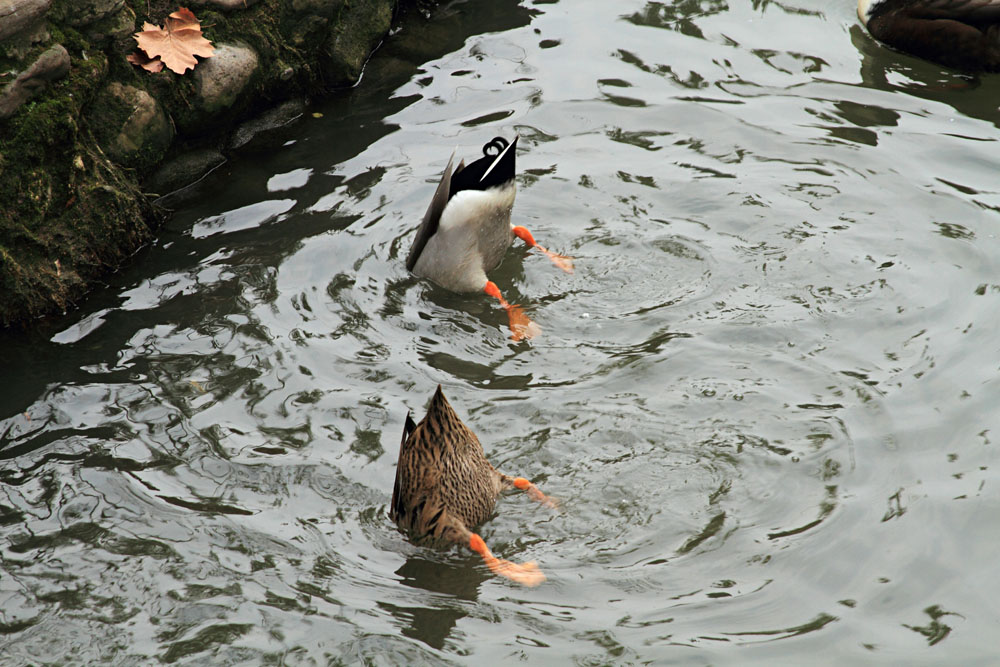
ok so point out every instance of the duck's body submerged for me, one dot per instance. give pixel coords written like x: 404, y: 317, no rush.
x: 466, y: 230
x: 964, y: 34
x: 445, y: 486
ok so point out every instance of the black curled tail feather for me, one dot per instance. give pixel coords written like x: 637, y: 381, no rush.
x: 496, y: 168
x: 497, y: 144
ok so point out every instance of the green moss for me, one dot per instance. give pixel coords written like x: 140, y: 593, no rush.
x: 70, y: 38
x: 60, y: 225
x: 106, y: 116
x: 67, y: 213
x: 49, y: 122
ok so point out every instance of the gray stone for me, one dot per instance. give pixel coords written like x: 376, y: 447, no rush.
x: 146, y: 133
x: 183, y: 171
x: 266, y: 129
x: 52, y: 64
x: 84, y: 12
x: 18, y: 16
x: 221, y: 79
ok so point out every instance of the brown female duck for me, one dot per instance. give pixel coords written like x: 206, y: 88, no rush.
x: 445, y: 487
x: 964, y: 34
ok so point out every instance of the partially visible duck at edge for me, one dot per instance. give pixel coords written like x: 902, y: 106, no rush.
x: 963, y: 34
x: 467, y: 230
x: 445, y: 487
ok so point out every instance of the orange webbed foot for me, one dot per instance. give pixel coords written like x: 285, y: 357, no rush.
x: 535, y: 493
x: 526, y: 574
x: 564, y: 262
x: 521, y: 326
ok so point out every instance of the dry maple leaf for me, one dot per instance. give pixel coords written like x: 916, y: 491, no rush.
x: 176, y: 44
x: 142, y: 60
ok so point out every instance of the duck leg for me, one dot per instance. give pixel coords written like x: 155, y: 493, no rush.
x: 526, y: 574
x: 562, y: 261
x: 521, y: 325
x: 522, y: 484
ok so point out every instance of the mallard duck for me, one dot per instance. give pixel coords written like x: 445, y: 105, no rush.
x: 964, y: 34
x: 445, y: 487
x: 466, y: 230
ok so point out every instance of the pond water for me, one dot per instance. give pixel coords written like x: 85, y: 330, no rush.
x: 766, y: 398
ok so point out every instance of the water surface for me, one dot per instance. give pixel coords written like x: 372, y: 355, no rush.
x: 766, y: 398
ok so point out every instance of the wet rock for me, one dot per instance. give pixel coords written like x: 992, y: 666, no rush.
x: 310, y: 21
x: 266, y: 129
x: 52, y: 64
x: 145, y: 132
x: 307, y: 29
x: 363, y: 24
x: 21, y: 16
x: 183, y: 170
x: 221, y: 79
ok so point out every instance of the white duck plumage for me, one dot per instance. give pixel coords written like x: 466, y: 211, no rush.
x: 466, y: 230
x: 471, y: 234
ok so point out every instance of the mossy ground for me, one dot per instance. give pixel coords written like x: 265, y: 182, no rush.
x: 68, y: 214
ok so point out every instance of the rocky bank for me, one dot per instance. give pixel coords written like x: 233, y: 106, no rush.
x: 87, y: 139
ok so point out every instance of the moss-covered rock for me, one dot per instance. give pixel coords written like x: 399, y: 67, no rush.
x: 80, y: 127
x: 50, y: 65
x: 84, y: 12
x: 183, y: 170
x: 136, y: 130
x: 68, y: 214
x: 362, y: 25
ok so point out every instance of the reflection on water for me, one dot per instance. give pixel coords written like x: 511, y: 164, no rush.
x: 449, y: 584
x: 765, y: 398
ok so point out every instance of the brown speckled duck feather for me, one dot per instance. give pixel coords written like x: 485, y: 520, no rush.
x: 442, y: 470
x: 445, y: 486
